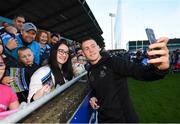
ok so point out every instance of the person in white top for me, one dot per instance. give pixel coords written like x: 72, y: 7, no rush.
x: 58, y: 70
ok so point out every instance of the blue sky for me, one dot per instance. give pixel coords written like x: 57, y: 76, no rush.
x: 161, y: 15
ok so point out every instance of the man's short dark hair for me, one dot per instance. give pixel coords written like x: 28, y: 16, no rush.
x: 23, y: 48
x: 84, y: 40
x: 54, y: 35
x: 18, y: 15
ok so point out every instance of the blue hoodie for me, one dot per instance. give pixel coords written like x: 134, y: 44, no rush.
x: 34, y: 46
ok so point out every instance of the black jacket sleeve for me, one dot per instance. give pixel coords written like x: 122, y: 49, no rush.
x: 138, y: 71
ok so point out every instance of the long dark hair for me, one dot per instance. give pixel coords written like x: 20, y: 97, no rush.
x: 66, y: 70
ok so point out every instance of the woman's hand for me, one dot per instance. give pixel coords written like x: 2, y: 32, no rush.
x: 45, y: 89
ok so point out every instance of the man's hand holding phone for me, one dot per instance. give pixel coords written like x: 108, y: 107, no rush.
x: 159, y: 48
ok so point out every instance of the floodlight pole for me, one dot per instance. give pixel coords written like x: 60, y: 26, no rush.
x: 112, y: 15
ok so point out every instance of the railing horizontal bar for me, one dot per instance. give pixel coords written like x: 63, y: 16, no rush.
x: 23, y: 112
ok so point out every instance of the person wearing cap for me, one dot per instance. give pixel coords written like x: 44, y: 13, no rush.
x: 26, y: 38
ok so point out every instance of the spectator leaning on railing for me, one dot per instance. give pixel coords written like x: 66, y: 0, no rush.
x: 25, y: 62
x: 8, y: 99
x: 57, y: 72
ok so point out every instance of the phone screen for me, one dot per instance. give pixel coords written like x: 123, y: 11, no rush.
x: 150, y: 35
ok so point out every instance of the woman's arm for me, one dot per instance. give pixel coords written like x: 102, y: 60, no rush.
x: 14, y: 105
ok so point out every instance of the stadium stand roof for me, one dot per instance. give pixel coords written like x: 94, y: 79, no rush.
x: 73, y: 19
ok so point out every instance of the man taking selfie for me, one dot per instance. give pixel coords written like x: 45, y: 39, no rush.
x: 108, y: 79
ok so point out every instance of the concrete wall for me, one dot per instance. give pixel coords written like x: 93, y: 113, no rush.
x: 61, y: 108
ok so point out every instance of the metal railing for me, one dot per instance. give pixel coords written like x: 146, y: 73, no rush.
x: 27, y: 109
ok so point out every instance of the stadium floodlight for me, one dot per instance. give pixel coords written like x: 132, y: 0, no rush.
x: 112, y: 15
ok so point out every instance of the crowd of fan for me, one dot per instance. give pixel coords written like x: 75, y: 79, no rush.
x: 141, y: 57
x: 45, y: 58
x: 175, y: 60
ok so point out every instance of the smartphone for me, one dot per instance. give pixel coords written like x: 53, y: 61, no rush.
x: 150, y: 35
x: 152, y: 39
